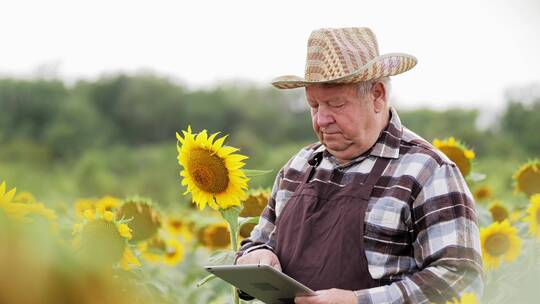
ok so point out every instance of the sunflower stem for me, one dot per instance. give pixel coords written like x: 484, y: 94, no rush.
x: 231, y: 216
x: 234, y: 244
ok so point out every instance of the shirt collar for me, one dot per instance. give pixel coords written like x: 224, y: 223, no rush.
x: 387, y: 145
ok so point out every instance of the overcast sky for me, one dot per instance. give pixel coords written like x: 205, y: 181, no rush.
x: 468, y: 51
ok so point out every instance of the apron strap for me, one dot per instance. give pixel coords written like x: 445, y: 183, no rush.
x: 373, y: 177
x: 314, y: 161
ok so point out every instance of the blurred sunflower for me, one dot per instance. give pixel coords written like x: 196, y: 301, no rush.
x: 245, y: 230
x: 143, y: 218
x: 174, y: 253
x: 466, y: 298
x: 255, y: 203
x: 24, y: 198
x: 107, y: 203
x: 533, y: 216
x: 158, y: 250
x: 498, y: 211
x: 212, y: 172
x: 153, y: 249
x: 527, y: 178
x: 102, y: 241
x: 214, y: 236
x: 176, y: 225
x: 14, y: 211
x: 483, y: 193
x: 457, y: 152
x: 499, y: 241
x: 82, y: 205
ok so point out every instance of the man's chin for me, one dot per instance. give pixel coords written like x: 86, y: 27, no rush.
x: 334, y: 147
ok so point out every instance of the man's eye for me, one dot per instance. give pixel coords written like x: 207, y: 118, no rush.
x: 337, y: 106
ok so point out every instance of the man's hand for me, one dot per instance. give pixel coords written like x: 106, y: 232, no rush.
x: 260, y: 256
x: 329, y: 296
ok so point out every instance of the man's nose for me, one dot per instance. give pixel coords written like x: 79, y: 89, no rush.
x: 324, y: 118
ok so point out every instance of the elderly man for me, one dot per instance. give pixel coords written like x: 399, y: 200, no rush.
x: 372, y: 213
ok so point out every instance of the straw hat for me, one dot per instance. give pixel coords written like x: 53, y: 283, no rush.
x: 345, y: 55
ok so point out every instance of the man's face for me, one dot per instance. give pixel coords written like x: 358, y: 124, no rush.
x: 345, y: 123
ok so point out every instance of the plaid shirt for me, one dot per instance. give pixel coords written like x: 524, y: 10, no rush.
x: 421, y: 233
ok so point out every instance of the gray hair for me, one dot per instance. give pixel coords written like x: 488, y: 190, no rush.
x: 365, y: 87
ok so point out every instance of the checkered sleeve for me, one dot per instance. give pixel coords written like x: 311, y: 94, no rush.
x: 263, y: 235
x: 446, y: 245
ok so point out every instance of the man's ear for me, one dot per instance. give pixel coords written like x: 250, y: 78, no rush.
x: 379, y: 96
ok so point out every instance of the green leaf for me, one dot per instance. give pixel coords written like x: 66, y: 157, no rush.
x: 222, y: 257
x: 206, y: 279
x: 252, y: 173
x: 248, y: 220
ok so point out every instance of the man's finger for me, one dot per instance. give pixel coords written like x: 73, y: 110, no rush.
x: 302, y: 300
x: 276, y: 265
x: 265, y: 260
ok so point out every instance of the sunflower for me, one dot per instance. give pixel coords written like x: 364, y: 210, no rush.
x: 82, y: 205
x: 24, y: 198
x: 157, y: 250
x: 174, y: 253
x: 143, y: 218
x: 527, y: 178
x: 466, y: 298
x: 483, y: 193
x: 457, y: 152
x: 12, y: 210
x: 245, y: 230
x: 533, y: 216
x: 212, y: 172
x: 107, y: 203
x: 214, y: 236
x: 255, y: 203
x: 102, y: 241
x: 176, y: 225
x: 498, y: 211
x: 499, y: 241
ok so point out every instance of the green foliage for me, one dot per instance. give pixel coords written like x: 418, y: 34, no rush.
x: 521, y: 122
x: 115, y: 135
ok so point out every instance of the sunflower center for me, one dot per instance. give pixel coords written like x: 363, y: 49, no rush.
x: 457, y: 155
x: 499, y: 213
x: 529, y: 181
x: 171, y: 253
x: 497, y: 244
x: 208, y: 171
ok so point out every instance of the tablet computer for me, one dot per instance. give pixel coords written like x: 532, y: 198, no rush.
x: 262, y: 282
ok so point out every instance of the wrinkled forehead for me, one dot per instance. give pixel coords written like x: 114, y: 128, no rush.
x: 321, y: 92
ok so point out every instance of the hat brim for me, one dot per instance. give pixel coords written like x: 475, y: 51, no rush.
x: 382, y: 66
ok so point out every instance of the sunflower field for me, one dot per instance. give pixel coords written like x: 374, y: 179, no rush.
x: 121, y: 190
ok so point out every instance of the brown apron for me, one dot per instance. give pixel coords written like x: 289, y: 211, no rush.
x: 320, y: 232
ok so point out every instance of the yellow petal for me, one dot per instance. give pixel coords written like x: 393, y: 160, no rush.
x: 108, y: 216
x: 89, y: 214
x: 219, y: 143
